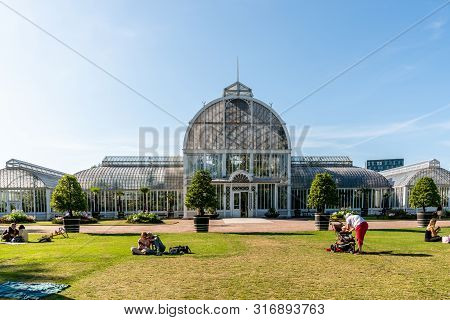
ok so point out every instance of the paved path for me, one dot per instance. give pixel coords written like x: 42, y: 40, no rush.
x: 227, y: 226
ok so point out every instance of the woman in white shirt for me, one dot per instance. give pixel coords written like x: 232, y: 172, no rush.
x: 357, y: 223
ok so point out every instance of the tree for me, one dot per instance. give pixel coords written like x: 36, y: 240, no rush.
x: 119, y: 195
x: 323, y: 192
x: 144, y: 191
x: 68, y: 196
x: 95, y: 191
x: 171, y: 202
x: 201, y: 194
x: 425, y: 194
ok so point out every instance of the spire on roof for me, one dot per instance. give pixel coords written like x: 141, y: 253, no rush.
x: 237, y: 88
x: 237, y: 69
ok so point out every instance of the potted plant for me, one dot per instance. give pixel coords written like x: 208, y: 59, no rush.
x: 323, y: 193
x: 69, y: 197
x: 200, y: 195
x: 424, y: 194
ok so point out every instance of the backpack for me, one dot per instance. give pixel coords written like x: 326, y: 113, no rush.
x: 18, y: 239
x: 180, y: 250
x: 45, y: 238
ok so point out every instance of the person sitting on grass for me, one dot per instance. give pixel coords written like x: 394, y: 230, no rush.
x: 357, y: 223
x: 10, y: 233
x: 147, y: 244
x: 431, y: 233
x: 144, y: 245
x: 157, y: 243
x: 23, y: 234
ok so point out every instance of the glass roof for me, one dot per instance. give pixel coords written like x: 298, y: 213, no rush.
x: 236, y: 124
x: 132, y: 178
x: 322, y: 161
x: 408, y: 175
x: 137, y: 161
x: 345, y: 177
x: 23, y: 175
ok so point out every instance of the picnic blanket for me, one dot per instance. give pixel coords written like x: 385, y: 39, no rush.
x: 29, y: 291
x: 13, y: 243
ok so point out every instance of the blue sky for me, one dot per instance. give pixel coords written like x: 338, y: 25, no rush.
x: 59, y: 111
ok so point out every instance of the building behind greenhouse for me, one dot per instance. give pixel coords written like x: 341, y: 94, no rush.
x: 245, y: 146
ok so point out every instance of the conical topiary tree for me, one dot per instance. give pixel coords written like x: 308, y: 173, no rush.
x: 201, y: 194
x: 68, y: 196
x: 424, y: 194
x: 323, y: 192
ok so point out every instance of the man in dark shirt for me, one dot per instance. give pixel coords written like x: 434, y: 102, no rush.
x: 10, y: 233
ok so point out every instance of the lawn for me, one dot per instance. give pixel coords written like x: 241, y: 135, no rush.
x: 237, y: 266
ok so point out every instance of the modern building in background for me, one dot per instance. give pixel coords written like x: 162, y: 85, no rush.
x: 245, y: 146
x: 385, y: 164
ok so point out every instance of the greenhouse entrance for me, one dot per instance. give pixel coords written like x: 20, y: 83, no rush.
x: 241, y: 204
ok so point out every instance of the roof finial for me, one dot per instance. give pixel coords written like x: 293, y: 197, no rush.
x: 237, y: 68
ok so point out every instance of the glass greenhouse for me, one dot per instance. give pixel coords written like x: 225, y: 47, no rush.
x: 27, y: 187
x: 403, y: 179
x: 244, y: 143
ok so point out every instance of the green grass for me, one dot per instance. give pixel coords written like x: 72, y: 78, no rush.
x: 400, y: 265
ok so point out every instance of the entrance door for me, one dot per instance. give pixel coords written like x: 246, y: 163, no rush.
x: 244, y: 204
x: 240, y: 204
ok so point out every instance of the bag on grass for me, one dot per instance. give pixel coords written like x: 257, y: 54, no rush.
x: 45, y: 239
x: 446, y: 239
x: 18, y: 239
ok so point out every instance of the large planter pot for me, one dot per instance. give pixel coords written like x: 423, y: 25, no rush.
x: 72, y: 224
x: 321, y: 221
x: 201, y: 223
x: 423, y: 218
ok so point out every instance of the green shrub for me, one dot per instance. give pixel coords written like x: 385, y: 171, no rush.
x: 340, y: 215
x: 144, y: 217
x: 272, y: 213
x: 17, y: 216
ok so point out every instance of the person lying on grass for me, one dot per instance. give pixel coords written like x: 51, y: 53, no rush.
x: 10, y: 233
x: 357, y: 223
x: 431, y: 233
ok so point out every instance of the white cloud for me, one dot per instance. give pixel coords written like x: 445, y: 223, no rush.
x: 436, y: 28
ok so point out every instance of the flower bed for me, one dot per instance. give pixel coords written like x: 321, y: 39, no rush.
x: 144, y: 217
x: 17, y: 216
x: 84, y: 219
